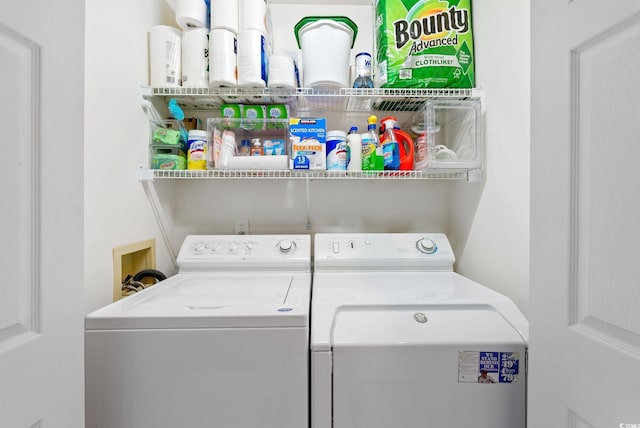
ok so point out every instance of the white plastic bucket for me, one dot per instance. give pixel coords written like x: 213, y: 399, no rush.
x: 326, y: 43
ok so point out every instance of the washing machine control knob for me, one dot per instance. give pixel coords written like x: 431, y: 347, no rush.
x: 426, y: 245
x: 199, y: 247
x: 286, y: 246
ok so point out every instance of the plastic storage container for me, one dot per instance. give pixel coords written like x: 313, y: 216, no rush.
x: 458, y: 140
x: 197, y: 149
x: 232, y: 140
x: 326, y: 43
x: 167, y: 148
x: 337, y: 150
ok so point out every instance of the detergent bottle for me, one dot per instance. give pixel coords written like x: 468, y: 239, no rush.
x: 354, y: 150
x: 392, y: 133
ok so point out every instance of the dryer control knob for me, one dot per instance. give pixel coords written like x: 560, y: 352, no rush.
x: 286, y: 246
x: 426, y: 245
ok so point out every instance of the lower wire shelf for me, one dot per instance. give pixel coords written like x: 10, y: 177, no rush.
x: 472, y: 175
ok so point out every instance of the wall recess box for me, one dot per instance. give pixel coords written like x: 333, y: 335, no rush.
x: 130, y: 259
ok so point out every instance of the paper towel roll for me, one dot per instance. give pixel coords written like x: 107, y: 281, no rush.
x: 224, y: 14
x: 252, y: 15
x: 165, y: 60
x: 222, y: 58
x: 253, y: 57
x: 195, y: 57
x: 281, y: 72
x: 191, y: 14
x: 274, y: 162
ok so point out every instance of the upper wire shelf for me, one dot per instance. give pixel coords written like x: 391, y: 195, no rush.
x: 308, y: 99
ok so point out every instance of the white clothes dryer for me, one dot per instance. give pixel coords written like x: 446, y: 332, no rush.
x: 223, y: 343
x: 400, y: 340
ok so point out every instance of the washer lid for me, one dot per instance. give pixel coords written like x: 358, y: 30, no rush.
x: 257, y: 300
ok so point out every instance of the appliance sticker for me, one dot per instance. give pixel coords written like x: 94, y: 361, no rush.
x: 488, y: 367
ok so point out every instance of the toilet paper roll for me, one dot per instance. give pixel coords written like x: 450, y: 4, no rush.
x: 195, y: 57
x: 224, y: 15
x: 253, y: 57
x: 222, y: 58
x: 165, y: 60
x: 252, y: 15
x: 281, y: 72
x: 191, y: 14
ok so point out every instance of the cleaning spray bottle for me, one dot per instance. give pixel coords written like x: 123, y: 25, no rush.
x: 389, y: 144
x: 392, y: 133
x: 372, y: 156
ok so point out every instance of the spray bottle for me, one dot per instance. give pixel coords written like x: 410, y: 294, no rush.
x: 372, y: 156
x: 389, y: 144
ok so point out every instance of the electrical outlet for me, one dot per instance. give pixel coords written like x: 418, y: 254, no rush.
x: 242, y: 226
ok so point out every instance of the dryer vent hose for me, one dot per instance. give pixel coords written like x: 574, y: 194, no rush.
x: 149, y: 273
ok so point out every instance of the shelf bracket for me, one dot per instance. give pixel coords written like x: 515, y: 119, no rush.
x: 150, y: 190
x: 145, y: 174
x: 474, y: 176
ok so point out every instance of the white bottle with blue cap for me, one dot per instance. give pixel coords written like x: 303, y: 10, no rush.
x: 354, y: 150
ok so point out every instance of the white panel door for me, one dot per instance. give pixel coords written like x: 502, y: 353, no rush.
x: 41, y: 214
x: 584, y: 366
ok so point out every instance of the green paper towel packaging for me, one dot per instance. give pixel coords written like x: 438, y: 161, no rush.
x: 424, y: 44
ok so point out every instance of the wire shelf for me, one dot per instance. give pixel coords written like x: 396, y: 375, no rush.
x: 429, y: 174
x: 307, y: 99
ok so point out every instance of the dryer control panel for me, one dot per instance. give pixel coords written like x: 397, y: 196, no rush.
x: 246, y: 252
x: 388, y: 251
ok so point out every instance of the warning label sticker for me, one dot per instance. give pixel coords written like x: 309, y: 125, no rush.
x: 488, y: 367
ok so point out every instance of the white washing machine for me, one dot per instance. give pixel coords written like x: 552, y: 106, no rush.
x: 223, y: 343
x: 400, y: 340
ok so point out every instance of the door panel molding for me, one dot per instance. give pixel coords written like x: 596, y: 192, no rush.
x: 19, y: 184
x: 614, y: 336
x: 602, y: 233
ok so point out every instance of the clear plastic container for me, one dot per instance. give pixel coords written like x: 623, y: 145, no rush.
x: 231, y: 144
x: 453, y: 130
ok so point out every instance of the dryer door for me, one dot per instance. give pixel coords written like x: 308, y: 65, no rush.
x: 427, y: 366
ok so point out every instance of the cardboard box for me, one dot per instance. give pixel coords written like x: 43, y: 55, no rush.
x: 308, y: 138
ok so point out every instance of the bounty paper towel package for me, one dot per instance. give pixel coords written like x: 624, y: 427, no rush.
x: 424, y: 44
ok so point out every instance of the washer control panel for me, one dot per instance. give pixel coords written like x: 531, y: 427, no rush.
x: 423, y: 251
x: 224, y: 251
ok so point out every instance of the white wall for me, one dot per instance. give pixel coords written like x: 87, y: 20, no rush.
x: 494, y: 247
x: 488, y: 223
x: 116, y: 208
